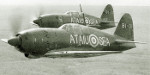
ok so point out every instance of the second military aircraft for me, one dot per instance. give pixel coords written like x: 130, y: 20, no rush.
x: 56, y: 20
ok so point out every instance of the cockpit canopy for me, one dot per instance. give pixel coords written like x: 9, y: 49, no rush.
x: 74, y: 28
x: 73, y: 13
x: 70, y: 26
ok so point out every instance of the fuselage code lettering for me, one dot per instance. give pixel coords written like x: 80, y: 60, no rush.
x: 91, y: 40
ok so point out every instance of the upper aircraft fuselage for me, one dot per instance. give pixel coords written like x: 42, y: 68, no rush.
x: 56, y: 20
x: 70, y: 17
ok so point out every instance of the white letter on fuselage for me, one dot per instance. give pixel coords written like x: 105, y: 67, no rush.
x: 72, y: 39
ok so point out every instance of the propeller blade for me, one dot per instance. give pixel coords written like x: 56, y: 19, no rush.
x: 81, y: 8
x: 82, y: 14
x: 5, y: 40
x: 37, y: 14
x: 40, y: 11
x: 16, y: 22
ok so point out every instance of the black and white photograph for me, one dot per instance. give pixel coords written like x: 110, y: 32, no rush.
x: 74, y: 37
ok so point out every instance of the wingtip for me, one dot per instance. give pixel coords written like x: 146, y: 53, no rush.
x: 5, y: 40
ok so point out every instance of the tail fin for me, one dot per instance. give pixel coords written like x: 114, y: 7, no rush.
x: 125, y: 28
x: 108, y: 17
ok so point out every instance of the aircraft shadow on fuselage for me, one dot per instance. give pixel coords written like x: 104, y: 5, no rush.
x: 78, y: 55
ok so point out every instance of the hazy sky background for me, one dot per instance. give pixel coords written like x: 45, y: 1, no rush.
x: 76, y: 2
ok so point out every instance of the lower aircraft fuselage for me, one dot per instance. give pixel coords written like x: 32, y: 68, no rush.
x: 40, y: 41
x: 74, y: 37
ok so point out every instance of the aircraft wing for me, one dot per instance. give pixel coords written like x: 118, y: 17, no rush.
x: 79, y: 54
x: 126, y: 41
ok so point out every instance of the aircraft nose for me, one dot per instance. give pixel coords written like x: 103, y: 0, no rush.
x: 36, y: 21
x: 14, y: 41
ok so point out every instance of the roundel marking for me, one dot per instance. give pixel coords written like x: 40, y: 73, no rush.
x: 93, y: 40
x: 86, y: 20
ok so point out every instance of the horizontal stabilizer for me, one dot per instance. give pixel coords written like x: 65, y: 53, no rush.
x: 5, y: 40
x: 126, y: 41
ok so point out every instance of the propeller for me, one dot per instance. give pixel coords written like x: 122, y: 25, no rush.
x: 15, y: 21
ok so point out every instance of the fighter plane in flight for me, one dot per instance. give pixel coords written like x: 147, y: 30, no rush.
x: 71, y: 38
x: 56, y: 20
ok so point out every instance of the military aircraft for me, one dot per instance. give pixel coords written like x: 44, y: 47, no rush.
x: 74, y: 39
x: 56, y: 20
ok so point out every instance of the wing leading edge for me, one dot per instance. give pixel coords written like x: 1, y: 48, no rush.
x: 78, y: 54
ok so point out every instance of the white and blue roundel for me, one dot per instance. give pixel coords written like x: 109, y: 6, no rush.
x: 93, y: 40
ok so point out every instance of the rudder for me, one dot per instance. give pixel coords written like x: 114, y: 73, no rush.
x: 107, y: 16
x: 125, y: 27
